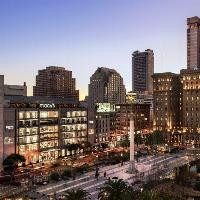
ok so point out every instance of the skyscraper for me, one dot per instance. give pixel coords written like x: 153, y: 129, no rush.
x: 106, y: 86
x: 142, y: 70
x: 193, y: 43
x: 55, y: 82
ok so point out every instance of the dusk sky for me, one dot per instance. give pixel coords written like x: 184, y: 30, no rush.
x: 82, y: 35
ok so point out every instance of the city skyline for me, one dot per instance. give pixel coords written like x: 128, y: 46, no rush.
x: 80, y: 36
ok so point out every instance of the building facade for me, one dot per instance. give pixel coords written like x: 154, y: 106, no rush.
x: 176, y: 106
x: 106, y: 86
x: 105, y: 128
x: 190, y: 80
x: 142, y: 71
x: 39, y: 128
x: 141, y: 113
x: 193, y: 43
x: 55, y: 82
x: 166, y: 101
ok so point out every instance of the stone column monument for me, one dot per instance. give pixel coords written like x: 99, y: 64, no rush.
x: 132, y: 168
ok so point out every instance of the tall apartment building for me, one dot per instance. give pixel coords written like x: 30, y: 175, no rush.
x: 166, y: 101
x: 106, y: 86
x: 142, y: 71
x: 55, y: 82
x: 193, y: 43
x: 190, y: 80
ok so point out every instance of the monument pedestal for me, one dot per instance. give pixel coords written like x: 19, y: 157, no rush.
x: 132, y: 168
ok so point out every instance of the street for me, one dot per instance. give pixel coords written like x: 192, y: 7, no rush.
x: 92, y: 185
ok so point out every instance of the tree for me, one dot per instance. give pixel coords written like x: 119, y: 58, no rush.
x: 73, y: 147
x: 67, y: 173
x: 125, y: 142
x: 104, y: 146
x: 116, y: 190
x: 12, y: 161
x: 78, y: 194
x: 197, y: 186
x: 156, y: 137
x: 86, y: 146
x: 147, y: 195
x: 55, y: 176
x: 138, y: 139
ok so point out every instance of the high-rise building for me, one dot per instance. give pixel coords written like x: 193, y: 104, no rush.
x: 55, y: 82
x: 106, y: 86
x: 193, y: 43
x: 190, y: 100
x: 142, y: 71
x: 166, y: 101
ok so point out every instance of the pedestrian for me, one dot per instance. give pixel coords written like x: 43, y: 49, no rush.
x: 97, y: 176
x: 108, y: 178
x: 104, y: 174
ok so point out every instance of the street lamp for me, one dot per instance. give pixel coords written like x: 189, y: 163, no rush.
x: 97, y: 159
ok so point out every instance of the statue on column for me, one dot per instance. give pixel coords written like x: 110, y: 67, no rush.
x: 132, y: 168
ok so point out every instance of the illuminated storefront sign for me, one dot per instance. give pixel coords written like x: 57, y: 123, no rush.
x: 131, y: 98
x: 105, y: 107
x: 47, y: 105
x: 9, y: 127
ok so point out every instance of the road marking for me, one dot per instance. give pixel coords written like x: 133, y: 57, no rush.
x: 52, y: 187
x: 115, y: 170
x: 80, y: 184
x: 91, y: 186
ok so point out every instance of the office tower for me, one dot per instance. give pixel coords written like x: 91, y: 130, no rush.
x: 193, y: 43
x: 106, y: 86
x: 142, y: 71
x: 166, y: 101
x: 55, y: 82
x: 190, y: 100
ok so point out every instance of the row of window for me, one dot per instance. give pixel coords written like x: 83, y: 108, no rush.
x: 49, y: 114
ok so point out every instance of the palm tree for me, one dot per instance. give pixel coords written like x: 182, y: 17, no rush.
x: 116, y: 190
x: 78, y: 194
x: 147, y: 195
x: 12, y: 161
